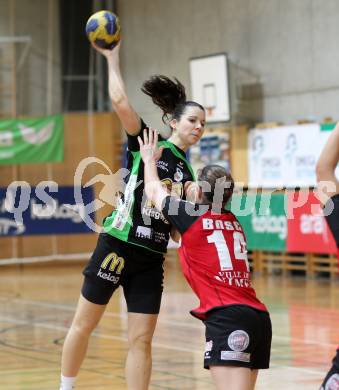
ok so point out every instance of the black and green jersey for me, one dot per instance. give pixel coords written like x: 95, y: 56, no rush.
x: 136, y: 219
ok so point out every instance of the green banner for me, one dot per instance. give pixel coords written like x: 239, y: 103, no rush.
x: 33, y: 140
x: 327, y: 126
x: 263, y: 219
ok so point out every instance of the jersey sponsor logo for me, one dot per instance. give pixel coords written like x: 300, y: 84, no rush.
x: 217, y: 224
x: 108, y: 276
x: 160, y: 237
x: 209, y: 346
x: 154, y: 213
x: 144, y: 232
x: 234, y: 278
x: 114, y: 264
x: 162, y: 165
x: 208, y: 349
x: 178, y: 176
x: 332, y: 383
x: 124, y: 208
x: 239, y: 356
x: 238, y: 340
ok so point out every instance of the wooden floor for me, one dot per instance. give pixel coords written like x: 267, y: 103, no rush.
x: 37, y: 304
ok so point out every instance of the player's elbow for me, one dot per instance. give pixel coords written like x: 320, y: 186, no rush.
x: 117, y: 93
x: 150, y: 191
x: 175, y: 235
x: 119, y: 100
x: 319, y: 170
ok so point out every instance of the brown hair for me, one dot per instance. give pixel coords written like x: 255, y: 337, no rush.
x: 221, y: 185
x: 169, y: 95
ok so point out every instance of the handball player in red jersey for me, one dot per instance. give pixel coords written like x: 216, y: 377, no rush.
x: 214, y: 261
x: 328, y: 186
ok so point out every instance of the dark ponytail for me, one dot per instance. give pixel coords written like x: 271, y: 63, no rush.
x: 221, y: 182
x: 169, y: 95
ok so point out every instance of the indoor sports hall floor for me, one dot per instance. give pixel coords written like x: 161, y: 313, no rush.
x: 37, y: 304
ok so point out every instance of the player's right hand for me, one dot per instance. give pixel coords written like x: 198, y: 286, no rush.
x: 149, y: 146
x: 108, y: 53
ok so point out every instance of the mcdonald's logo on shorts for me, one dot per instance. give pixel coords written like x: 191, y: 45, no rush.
x: 113, y: 265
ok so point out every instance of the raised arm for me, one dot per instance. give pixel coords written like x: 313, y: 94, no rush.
x: 129, y: 118
x: 150, y: 154
x: 328, y: 184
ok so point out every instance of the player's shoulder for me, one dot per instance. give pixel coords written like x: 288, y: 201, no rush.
x: 228, y: 215
x: 335, y: 199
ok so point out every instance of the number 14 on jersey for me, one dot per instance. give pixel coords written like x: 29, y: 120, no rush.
x: 225, y: 259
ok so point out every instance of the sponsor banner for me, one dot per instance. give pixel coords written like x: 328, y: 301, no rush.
x: 44, y: 211
x: 327, y: 126
x: 285, y: 156
x: 263, y: 219
x: 307, y: 227
x: 31, y: 140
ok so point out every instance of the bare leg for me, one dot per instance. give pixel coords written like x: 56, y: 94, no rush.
x: 254, y: 376
x: 86, y: 318
x: 139, y: 359
x: 232, y: 378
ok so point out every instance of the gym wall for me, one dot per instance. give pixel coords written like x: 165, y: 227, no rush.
x: 99, y: 136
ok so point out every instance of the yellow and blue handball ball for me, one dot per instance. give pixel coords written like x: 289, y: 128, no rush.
x: 103, y: 29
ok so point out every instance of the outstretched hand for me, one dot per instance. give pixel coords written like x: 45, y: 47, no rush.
x: 108, y: 52
x: 149, y: 146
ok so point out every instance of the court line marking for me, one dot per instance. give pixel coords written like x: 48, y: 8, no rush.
x: 95, y: 334
x: 45, y: 259
x: 169, y: 322
x: 154, y: 344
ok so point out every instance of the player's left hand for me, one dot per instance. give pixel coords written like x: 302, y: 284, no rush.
x: 149, y: 146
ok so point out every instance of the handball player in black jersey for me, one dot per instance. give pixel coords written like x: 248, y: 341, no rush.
x: 214, y: 261
x: 328, y: 190
x: 130, y: 250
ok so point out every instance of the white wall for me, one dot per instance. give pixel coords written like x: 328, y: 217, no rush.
x: 34, y: 97
x: 283, y: 53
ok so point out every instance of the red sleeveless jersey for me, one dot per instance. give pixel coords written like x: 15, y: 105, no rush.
x: 214, y: 261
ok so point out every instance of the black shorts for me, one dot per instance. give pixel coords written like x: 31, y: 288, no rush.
x: 333, y: 219
x: 331, y: 382
x: 238, y: 335
x: 138, y: 270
